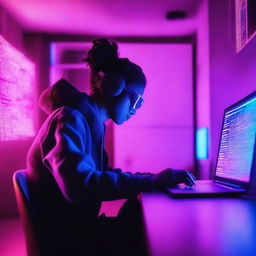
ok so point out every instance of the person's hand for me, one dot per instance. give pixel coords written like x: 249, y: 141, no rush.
x: 172, y: 177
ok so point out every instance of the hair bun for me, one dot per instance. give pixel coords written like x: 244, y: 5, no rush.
x: 102, y: 55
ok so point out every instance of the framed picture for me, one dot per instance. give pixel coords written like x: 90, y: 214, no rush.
x: 245, y: 22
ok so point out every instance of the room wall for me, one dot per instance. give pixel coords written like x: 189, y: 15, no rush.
x: 12, y: 153
x: 36, y: 45
x: 161, y: 134
x: 10, y: 29
x: 202, y: 81
x: 232, y: 75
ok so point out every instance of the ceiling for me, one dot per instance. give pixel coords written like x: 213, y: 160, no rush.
x: 104, y: 17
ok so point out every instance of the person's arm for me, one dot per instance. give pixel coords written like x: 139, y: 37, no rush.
x: 166, y: 178
x: 172, y: 177
x: 66, y: 153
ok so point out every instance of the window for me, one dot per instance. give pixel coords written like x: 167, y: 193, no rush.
x: 17, y: 108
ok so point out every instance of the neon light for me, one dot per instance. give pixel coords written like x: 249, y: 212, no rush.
x: 52, y: 54
x: 17, y: 75
x: 202, y: 143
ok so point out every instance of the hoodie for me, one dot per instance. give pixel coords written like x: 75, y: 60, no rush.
x: 67, y: 163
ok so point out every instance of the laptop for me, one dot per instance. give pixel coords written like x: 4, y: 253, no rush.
x: 236, y: 156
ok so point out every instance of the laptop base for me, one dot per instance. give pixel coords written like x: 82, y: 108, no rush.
x: 205, y: 188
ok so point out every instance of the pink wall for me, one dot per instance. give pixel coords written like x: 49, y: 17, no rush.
x: 202, y: 80
x: 12, y: 153
x: 10, y: 29
x: 17, y: 87
x: 223, y: 77
x: 232, y: 75
x: 161, y: 134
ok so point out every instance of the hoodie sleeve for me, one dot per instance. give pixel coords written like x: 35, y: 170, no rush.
x: 66, y: 153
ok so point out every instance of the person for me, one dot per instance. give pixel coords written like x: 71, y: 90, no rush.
x: 67, y: 163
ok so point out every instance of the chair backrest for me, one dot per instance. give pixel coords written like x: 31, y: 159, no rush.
x: 50, y: 227
x: 27, y: 215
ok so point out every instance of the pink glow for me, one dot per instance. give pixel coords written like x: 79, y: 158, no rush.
x: 99, y: 17
x: 198, y: 226
x: 111, y: 208
x: 12, y: 237
x: 202, y: 83
x: 16, y: 94
x: 160, y: 135
x: 232, y: 75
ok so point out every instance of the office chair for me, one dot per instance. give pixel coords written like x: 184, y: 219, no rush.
x: 27, y: 215
x: 45, y: 233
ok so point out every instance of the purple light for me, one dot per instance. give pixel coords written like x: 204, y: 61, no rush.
x: 17, y: 75
x: 160, y: 135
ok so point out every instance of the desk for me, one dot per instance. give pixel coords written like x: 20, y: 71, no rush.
x: 199, y: 226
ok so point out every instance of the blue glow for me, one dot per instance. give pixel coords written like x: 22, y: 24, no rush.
x: 202, y: 143
x: 52, y: 54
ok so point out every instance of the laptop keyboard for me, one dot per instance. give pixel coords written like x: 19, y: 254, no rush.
x: 206, y: 187
x: 211, y: 186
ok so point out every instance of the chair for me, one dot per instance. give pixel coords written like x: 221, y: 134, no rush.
x: 27, y: 215
x: 47, y: 234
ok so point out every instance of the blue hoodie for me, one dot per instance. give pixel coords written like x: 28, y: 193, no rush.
x: 67, y: 162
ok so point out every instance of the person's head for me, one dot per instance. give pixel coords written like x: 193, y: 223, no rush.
x: 117, y: 83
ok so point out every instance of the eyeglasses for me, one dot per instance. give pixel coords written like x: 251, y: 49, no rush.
x: 136, y: 100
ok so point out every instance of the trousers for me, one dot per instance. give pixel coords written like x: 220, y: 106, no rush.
x: 122, y: 235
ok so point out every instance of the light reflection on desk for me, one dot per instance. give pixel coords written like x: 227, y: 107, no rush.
x: 212, y: 227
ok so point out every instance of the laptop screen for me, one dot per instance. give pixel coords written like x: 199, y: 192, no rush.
x: 237, y: 141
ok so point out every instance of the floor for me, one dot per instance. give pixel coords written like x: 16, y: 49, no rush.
x: 12, y: 241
